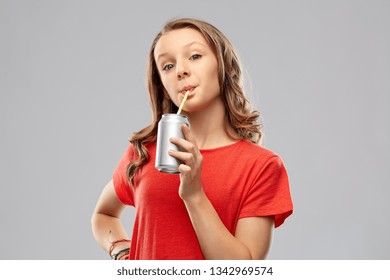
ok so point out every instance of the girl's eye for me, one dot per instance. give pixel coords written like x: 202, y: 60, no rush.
x: 168, y: 67
x: 195, y: 57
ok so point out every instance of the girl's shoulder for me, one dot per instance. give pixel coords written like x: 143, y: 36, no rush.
x: 246, y: 147
x: 131, y: 150
x: 252, y: 151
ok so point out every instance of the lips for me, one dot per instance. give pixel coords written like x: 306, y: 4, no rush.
x: 186, y: 88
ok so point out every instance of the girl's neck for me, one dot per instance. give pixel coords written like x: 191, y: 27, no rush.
x: 208, y: 127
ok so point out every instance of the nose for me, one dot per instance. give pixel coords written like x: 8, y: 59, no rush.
x: 182, y: 70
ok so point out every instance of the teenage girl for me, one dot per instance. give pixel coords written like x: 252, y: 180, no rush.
x: 230, y: 192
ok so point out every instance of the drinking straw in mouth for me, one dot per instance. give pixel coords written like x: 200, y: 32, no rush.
x: 182, y: 102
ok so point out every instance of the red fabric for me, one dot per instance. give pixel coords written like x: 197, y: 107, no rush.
x: 241, y: 180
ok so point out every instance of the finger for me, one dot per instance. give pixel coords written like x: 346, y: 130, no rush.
x: 185, y: 157
x: 184, y: 169
x: 184, y: 144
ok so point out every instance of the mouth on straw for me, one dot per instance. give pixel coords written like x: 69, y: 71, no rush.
x: 182, y: 102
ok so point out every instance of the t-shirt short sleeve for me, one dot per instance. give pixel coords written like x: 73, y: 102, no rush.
x: 123, y: 188
x: 270, y: 193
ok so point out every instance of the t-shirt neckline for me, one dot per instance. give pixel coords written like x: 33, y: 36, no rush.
x: 221, y: 147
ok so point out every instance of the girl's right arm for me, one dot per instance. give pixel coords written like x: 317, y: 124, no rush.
x: 106, y: 224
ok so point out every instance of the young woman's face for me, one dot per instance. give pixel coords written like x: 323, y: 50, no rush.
x: 185, y: 61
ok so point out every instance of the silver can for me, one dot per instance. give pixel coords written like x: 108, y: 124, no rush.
x: 169, y: 126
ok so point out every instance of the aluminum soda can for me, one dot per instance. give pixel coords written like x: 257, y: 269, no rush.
x: 169, y: 126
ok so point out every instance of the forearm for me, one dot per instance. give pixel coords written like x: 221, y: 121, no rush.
x: 107, y: 229
x: 214, y: 238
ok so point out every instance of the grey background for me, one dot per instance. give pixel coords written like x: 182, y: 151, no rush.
x: 72, y: 90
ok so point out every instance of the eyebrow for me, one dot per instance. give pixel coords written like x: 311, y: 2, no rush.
x: 185, y: 46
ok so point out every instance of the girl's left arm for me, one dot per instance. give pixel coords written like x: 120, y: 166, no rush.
x: 252, y: 237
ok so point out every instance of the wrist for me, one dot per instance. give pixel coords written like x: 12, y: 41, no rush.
x: 122, y: 254
x: 195, y: 198
x: 117, y: 246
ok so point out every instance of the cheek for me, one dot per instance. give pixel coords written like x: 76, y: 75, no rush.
x: 213, y: 75
x: 169, y: 87
x: 170, y: 90
x: 213, y: 81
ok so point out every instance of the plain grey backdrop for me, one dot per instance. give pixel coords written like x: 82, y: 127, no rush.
x: 73, y: 89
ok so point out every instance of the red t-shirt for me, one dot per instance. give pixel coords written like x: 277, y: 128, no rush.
x: 241, y: 180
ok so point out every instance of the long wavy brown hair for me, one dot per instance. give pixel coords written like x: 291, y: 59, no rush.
x: 241, y: 121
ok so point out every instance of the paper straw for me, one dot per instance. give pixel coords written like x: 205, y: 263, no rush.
x: 182, y: 102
